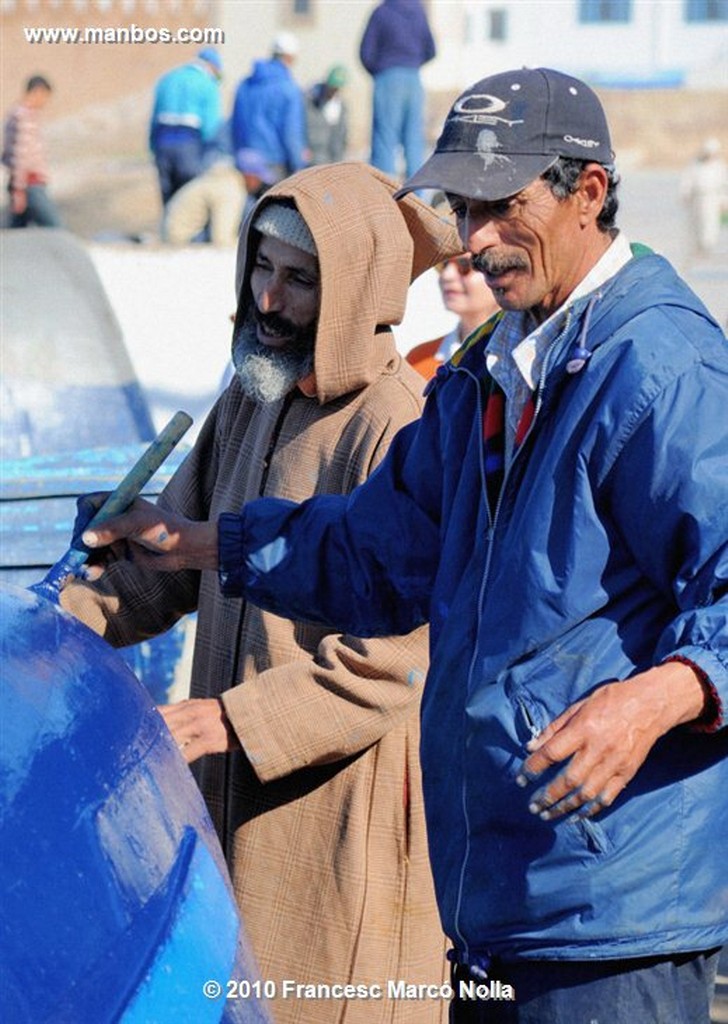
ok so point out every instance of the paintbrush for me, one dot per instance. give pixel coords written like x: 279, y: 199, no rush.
x: 117, y: 502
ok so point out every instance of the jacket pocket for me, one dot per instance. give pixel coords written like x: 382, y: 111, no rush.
x: 592, y: 835
x: 529, y: 719
x: 586, y: 831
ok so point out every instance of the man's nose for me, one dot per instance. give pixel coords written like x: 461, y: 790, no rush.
x: 479, y: 232
x: 270, y: 299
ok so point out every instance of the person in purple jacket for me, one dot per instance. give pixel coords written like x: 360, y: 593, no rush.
x: 396, y: 42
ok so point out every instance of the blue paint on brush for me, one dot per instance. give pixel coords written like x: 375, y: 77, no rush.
x: 117, y: 502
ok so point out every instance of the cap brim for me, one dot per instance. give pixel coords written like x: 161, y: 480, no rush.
x: 486, y: 176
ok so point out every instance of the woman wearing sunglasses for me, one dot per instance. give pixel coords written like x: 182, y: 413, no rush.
x: 465, y: 293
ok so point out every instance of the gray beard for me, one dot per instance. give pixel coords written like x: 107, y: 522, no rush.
x: 266, y: 375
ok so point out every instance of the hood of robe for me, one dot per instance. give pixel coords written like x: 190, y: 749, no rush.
x: 370, y: 248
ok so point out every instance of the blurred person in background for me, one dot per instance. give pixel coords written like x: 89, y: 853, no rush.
x: 465, y: 293
x: 327, y: 118
x: 210, y: 208
x: 269, y: 110
x: 25, y: 157
x: 186, y: 120
x: 396, y: 42
x: 704, y: 189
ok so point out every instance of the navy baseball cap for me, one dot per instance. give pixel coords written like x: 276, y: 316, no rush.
x: 503, y: 132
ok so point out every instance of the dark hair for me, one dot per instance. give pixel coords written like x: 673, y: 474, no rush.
x: 38, y: 82
x: 563, y: 180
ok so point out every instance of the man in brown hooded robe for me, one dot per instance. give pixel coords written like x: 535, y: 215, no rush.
x: 305, y: 742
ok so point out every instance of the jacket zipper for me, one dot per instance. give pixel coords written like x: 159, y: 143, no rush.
x: 492, y: 521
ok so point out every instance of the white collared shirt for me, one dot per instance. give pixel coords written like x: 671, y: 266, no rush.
x: 517, y: 349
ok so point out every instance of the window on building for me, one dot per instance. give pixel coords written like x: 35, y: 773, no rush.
x: 706, y: 10
x: 599, y: 11
x: 497, y: 25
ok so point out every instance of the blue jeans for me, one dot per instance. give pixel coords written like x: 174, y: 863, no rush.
x: 398, y: 115
x: 177, y: 164
x: 40, y: 210
x: 650, y: 990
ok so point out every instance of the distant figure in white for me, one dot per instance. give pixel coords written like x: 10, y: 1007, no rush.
x: 705, y: 189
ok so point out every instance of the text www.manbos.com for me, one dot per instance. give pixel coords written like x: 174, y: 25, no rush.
x: 126, y: 34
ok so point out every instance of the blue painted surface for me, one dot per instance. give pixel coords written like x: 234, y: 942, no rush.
x: 116, y: 902
x: 68, y: 386
x: 37, y: 511
x: 47, y: 417
x: 68, y: 381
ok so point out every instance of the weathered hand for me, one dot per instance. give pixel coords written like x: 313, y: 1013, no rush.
x: 199, y: 727
x: 156, y: 538
x: 605, y: 738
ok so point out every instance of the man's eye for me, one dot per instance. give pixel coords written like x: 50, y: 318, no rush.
x: 501, y: 208
x: 304, y: 282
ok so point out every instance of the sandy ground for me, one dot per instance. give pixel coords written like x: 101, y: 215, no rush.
x: 174, y: 305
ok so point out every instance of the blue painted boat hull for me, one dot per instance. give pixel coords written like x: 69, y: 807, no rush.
x: 68, y: 381
x: 116, y: 902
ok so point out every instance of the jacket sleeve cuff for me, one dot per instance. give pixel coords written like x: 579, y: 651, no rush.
x: 711, y: 719
x: 230, y: 571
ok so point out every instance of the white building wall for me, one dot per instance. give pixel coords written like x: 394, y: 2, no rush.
x: 656, y: 47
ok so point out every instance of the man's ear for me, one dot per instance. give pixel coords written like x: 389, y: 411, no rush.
x: 591, y: 193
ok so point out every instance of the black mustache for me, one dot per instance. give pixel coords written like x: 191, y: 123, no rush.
x: 274, y: 323
x: 493, y: 263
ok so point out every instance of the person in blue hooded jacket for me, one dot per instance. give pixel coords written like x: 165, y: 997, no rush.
x: 559, y: 515
x: 269, y: 112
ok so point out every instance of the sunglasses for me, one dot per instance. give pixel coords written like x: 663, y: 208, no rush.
x: 463, y: 263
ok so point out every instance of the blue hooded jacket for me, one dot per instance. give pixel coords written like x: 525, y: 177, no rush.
x: 269, y: 115
x: 607, y: 554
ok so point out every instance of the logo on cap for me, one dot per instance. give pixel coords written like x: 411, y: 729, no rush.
x: 586, y: 143
x: 485, y: 147
x: 481, y: 108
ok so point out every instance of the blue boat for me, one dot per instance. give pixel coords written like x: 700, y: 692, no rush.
x: 73, y: 419
x: 116, y: 902
x: 68, y: 382
x: 37, y: 510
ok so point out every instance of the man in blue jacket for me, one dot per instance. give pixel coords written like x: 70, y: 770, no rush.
x: 269, y: 113
x: 396, y: 42
x: 185, y: 121
x: 559, y: 515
